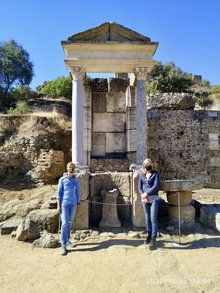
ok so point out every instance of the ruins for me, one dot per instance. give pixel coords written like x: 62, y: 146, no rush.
x: 116, y: 126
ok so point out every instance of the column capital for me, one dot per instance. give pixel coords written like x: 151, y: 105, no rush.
x: 141, y: 73
x: 77, y: 72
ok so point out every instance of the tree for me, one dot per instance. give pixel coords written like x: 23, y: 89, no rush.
x: 60, y: 87
x: 15, y: 69
x: 168, y: 78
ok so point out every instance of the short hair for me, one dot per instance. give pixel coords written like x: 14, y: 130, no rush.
x: 147, y: 162
x: 70, y: 163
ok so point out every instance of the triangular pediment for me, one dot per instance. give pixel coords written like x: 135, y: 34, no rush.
x: 109, y: 32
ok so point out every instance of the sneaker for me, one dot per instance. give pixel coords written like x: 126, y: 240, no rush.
x: 64, y: 251
x: 148, y: 239
x: 70, y: 244
x: 153, y: 244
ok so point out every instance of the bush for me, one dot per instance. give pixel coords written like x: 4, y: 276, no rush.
x: 21, y: 108
x: 168, y: 78
x: 60, y: 87
x: 23, y: 93
x: 215, y: 89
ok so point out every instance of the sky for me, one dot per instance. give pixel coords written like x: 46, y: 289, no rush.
x: 188, y: 31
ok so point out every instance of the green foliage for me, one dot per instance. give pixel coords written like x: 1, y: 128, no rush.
x: 168, y: 78
x: 60, y: 87
x: 215, y: 89
x: 205, y: 82
x: 21, y: 108
x: 23, y: 93
x: 15, y: 70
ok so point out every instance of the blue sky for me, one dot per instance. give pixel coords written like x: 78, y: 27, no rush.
x: 188, y: 31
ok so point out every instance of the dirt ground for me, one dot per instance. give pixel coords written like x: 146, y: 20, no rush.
x: 117, y: 263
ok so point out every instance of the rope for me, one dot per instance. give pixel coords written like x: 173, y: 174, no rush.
x: 124, y: 204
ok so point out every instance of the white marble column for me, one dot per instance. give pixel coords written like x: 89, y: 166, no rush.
x: 141, y: 74
x: 77, y: 114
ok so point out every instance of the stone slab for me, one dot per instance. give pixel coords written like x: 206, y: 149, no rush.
x: 108, y: 122
x: 9, y: 226
x: 115, y: 143
x: 115, y: 102
x: 180, y: 185
x: 99, y: 102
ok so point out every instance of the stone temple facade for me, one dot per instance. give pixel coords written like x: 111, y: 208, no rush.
x: 99, y: 115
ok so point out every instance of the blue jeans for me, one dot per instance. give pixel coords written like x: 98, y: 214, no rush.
x: 150, y: 213
x: 67, y: 217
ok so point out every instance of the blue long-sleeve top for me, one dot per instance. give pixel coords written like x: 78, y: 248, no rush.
x: 149, y: 185
x: 68, y: 192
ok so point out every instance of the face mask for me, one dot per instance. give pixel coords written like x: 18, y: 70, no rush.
x: 148, y: 168
x: 70, y: 170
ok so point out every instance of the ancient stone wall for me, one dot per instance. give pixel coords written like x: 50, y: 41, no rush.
x: 185, y: 144
x: 32, y: 149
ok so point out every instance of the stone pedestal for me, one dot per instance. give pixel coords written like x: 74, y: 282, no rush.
x: 81, y: 220
x: 138, y: 218
x: 109, y: 210
x: 179, y: 197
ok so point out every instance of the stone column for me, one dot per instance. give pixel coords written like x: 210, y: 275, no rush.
x: 141, y: 74
x: 77, y: 114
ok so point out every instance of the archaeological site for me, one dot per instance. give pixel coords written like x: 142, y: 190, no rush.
x: 108, y: 128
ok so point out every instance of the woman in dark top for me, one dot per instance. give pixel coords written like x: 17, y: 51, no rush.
x: 148, y: 186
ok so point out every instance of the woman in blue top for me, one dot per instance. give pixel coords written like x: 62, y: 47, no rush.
x: 148, y: 186
x: 68, y: 197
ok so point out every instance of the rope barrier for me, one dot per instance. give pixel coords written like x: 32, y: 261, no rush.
x: 125, y: 204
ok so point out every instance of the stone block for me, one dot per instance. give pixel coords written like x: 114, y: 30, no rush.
x: 187, y: 214
x: 47, y: 219
x: 81, y: 220
x: 118, y: 84
x: 115, y: 143
x: 185, y: 197
x: 109, y: 165
x: 9, y: 226
x: 214, y: 145
x: 98, y: 84
x: 215, y: 162
x: 120, y: 181
x: 138, y: 214
x: 83, y: 185
x: 99, y: 103
x: 210, y: 216
x: 115, y: 102
x: 180, y: 185
x: 213, y: 136
x: 98, y: 144
x: 108, y: 122
x: 27, y: 230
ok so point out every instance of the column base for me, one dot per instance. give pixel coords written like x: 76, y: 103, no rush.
x: 81, y: 168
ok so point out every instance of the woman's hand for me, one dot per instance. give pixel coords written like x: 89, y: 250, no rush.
x: 144, y: 197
